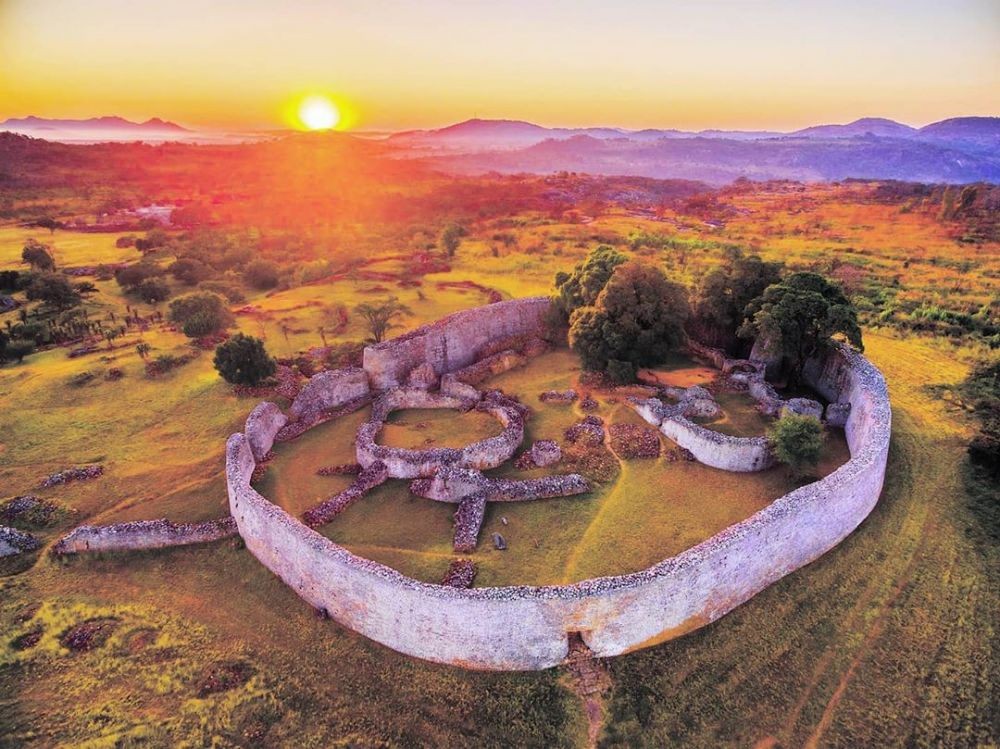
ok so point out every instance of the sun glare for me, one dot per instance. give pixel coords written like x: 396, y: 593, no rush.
x: 318, y: 113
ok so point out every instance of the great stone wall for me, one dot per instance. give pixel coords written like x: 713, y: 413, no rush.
x: 530, y: 627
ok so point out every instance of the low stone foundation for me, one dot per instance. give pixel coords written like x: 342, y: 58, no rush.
x: 13, y: 542
x: 370, y: 477
x: 143, y: 534
x: 408, y: 463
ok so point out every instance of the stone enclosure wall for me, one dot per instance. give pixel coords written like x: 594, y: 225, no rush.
x: 453, y: 342
x: 529, y: 627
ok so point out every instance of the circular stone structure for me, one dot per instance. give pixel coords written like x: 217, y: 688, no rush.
x: 530, y: 627
x: 407, y: 463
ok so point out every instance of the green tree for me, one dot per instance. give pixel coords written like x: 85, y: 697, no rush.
x: 796, y: 319
x: 636, y: 321
x: 581, y: 287
x: 243, y: 360
x: 200, y: 313
x: 142, y: 349
x: 48, y: 223
x: 451, y: 238
x: 797, y: 441
x: 723, y: 295
x: 134, y: 274
x: 54, y: 290
x: 261, y: 274
x: 189, y: 271
x: 38, y: 256
x: 380, y: 317
x: 18, y: 349
x: 982, y: 391
x: 152, y: 291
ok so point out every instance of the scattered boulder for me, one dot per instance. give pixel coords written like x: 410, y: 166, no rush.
x: 837, y: 414
x: 499, y: 542
x: 590, y: 431
x: 342, y: 469
x: 634, y: 441
x: 28, y: 640
x: 802, y: 407
x: 587, y: 403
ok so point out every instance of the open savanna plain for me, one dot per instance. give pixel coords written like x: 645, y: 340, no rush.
x: 888, y: 640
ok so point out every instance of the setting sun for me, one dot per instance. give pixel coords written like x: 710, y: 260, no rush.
x: 318, y: 113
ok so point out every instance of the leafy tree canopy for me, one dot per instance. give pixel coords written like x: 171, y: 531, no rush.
x: 54, y: 290
x: 206, y: 312
x: 636, y: 321
x: 381, y: 316
x: 581, y: 287
x: 243, y: 360
x: 724, y: 293
x: 796, y: 318
x: 38, y: 256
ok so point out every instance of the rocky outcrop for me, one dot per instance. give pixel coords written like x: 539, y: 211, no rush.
x: 143, y: 534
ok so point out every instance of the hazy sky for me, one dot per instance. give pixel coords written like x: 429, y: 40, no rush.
x: 638, y: 63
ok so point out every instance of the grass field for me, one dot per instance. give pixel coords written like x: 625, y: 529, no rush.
x: 890, y: 639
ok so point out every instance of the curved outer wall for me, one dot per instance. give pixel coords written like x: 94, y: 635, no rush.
x: 527, y: 627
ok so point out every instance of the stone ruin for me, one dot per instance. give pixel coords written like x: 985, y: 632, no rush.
x: 531, y: 627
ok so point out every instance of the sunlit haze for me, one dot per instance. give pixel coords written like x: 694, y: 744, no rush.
x: 635, y: 64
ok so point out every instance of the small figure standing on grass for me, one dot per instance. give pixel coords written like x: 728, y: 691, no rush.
x: 797, y: 442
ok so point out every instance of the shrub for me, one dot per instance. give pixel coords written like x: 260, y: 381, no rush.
x: 209, y: 309
x: 132, y: 275
x: 38, y: 256
x: 189, y: 271
x: 797, y: 442
x: 54, y: 290
x: 261, y: 274
x: 243, y: 360
x: 232, y: 294
x: 152, y: 291
x: 17, y: 349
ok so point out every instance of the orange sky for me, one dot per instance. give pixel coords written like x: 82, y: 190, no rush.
x: 233, y: 64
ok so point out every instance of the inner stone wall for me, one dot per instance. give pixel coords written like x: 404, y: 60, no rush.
x: 527, y: 627
x: 453, y: 342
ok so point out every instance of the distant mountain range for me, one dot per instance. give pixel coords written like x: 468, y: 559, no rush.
x: 480, y: 135
x: 96, y: 129
x: 964, y: 149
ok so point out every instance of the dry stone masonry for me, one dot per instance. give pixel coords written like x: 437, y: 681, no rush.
x: 530, y: 627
